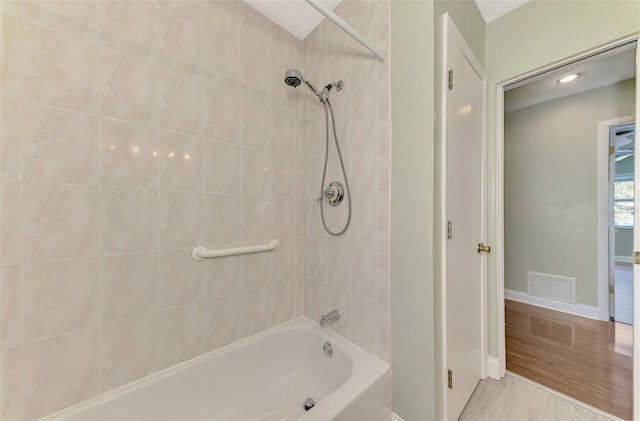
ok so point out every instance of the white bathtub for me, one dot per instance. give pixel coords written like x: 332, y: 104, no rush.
x: 264, y: 377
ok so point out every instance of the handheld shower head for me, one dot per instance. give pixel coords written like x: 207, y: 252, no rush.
x: 293, y: 77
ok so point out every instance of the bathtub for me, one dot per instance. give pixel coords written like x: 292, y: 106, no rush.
x: 267, y: 376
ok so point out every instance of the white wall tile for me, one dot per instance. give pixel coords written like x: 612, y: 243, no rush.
x: 60, y: 221
x: 10, y: 223
x: 9, y: 140
x: 181, y: 335
x: 58, y: 69
x: 222, y: 219
x: 253, y: 309
x: 11, y: 305
x: 9, y: 77
x: 255, y: 218
x: 128, y: 89
x: 11, y: 384
x: 60, y: 296
x: 60, y: 371
x: 221, y: 318
x: 129, y: 350
x: 129, y: 220
x: 129, y: 285
x: 59, y: 146
x: 222, y: 113
x: 222, y: 166
x: 223, y: 276
x: 359, y: 280
x: 256, y: 171
x: 128, y: 26
x: 180, y: 221
x: 178, y: 41
x: 128, y: 155
x: 255, y: 123
x: 180, y: 278
x: 103, y: 92
x: 180, y: 104
x: 223, y: 19
x: 181, y: 160
x: 187, y: 9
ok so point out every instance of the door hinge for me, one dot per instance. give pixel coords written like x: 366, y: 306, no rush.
x: 612, y: 150
x: 450, y: 379
x: 612, y: 289
x: 449, y: 230
x: 636, y: 257
x: 451, y: 79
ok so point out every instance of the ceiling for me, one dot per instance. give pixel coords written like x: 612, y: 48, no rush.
x: 493, y: 9
x: 601, y: 70
x: 300, y: 19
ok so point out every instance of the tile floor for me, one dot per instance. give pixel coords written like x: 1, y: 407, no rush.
x: 514, y: 399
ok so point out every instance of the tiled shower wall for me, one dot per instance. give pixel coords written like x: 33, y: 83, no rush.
x: 133, y: 131
x: 351, y: 272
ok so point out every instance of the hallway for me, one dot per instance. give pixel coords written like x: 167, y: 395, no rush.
x: 585, y: 359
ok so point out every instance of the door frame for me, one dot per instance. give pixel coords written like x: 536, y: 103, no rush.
x: 606, y: 254
x: 449, y: 29
x: 499, y: 186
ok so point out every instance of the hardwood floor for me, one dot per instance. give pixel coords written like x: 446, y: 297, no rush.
x: 586, y: 359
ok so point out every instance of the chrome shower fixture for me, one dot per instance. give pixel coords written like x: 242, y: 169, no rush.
x: 335, y: 192
x: 293, y: 77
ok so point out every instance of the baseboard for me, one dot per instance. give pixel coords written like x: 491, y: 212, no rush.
x: 395, y: 417
x: 493, y: 367
x: 575, y: 309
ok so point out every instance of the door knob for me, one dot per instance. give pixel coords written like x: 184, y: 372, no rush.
x: 483, y: 247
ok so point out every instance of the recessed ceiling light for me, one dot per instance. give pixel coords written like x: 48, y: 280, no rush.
x: 569, y: 78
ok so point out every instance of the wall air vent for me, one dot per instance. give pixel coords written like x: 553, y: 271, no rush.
x: 552, y: 287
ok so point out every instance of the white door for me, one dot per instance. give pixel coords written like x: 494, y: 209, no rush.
x: 464, y: 210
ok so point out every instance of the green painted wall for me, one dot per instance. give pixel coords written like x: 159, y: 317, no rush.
x: 412, y: 334
x: 468, y: 20
x: 415, y: 313
x: 531, y: 37
x: 551, y: 207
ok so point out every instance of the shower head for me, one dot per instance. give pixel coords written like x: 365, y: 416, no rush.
x: 293, y: 77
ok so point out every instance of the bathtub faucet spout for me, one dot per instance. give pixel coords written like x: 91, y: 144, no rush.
x: 330, y: 317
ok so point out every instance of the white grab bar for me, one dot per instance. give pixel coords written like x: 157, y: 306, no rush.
x: 201, y: 253
x: 346, y: 27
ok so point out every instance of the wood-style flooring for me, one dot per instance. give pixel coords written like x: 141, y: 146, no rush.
x: 588, y: 360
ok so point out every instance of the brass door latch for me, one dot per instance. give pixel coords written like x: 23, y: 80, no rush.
x: 483, y: 247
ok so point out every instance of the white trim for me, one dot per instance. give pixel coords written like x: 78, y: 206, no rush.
x: 395, y: 417
x: 623, y: 259
x: 499, y: 188
x: 493, y: 368
x: 443, y: 216
x: 603, y: 213
x: 636, y: 272
x: 449, y: 29
x: 575, y: 309
x: 565, y: 397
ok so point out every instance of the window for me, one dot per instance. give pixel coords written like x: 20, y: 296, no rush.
x: 623, y: 203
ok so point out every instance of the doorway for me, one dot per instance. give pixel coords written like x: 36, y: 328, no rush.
x: 620, y: 135
x: 552, y: 269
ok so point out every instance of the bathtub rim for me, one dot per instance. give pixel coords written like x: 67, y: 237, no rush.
x: 366, y: 370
